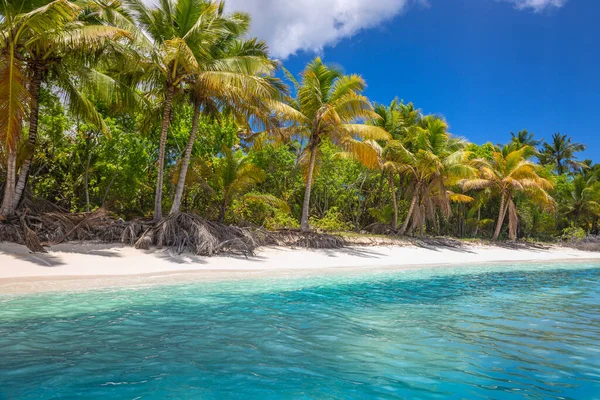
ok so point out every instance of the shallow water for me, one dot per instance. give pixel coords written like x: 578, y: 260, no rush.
x: 524, y: 331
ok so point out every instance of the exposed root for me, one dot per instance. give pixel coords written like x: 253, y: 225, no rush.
x: 55, y: 227
x: 31, y: 239
x: 180, y: 232
x: 188, y: 232
x: 379, y: 229
x: 313, y: 240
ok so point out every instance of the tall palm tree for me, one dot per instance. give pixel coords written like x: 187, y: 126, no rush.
x: 397, y: 119
x: 524, y: 138
x: 561, y: 153
x: 46, y: 41
x: 173, y: 37
x: 68, y: 59
x: 583, y: 200
x: 234, y: 77
x: 330, y: 106
x: 16, y: 28
x: 432, y: 159
x: 510, y: 172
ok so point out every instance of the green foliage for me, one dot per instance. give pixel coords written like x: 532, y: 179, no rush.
x: 484, y: 151
x: 332, y: 221
x: 281, y: 220
x: 573, y: 234
x: 99, y: 134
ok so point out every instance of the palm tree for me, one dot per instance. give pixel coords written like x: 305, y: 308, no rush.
x: 235, y: 77
x: 41, y: 44
x: 524, y: 138
x: 433, y: 160
x: 17, y: 27
x: 329, y: 104
x: 389, y: 119
x: 561, y: 153
x: 232, y: 175
x: 173, y: 38
x: 510, y: 172
x: 583, y: 200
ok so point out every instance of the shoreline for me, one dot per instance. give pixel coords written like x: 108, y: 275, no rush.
x: 87, y: 266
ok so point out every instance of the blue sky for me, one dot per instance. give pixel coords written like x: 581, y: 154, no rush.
x: 489, y: 66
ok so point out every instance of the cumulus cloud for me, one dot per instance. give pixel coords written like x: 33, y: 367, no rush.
x: 289, y: 26
x: 538, y: 5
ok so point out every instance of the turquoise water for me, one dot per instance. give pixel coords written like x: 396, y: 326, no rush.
x: 494, y: 332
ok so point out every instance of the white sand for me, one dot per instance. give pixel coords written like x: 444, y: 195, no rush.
x: 81, y: 266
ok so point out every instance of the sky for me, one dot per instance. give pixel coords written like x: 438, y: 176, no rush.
x: 488, y: 66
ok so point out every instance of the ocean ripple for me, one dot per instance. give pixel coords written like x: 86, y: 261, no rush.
x: 487, y: 334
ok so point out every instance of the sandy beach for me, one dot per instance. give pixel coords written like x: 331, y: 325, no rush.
x: 81, y: 266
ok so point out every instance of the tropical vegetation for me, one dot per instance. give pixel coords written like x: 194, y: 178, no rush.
x: 139, y: 109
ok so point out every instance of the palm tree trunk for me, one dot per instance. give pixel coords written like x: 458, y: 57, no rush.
x: 87, y: 181
x: 380, y: 190
x: 9, y: 188
x: 161, y: 155
x: 411, y: 208
x: 478, y: 221
x: 513, y: 219
x: 305, y: 207
x: 185, y: 163
x: 222, y: 210
x: 500, y: 222
x: 395, y: 202
x: 110, y: 184
x: 36, y: 83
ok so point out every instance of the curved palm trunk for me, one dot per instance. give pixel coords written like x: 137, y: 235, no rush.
x: 380, y: 190
x: 36, y: 83
x: 411, y: 208
x: 395, y: 202
x: 161, y: 155
x: 185, y: 163
x: 501, y: 216
x: 87, y: 181
x: 222, y: 210
x: 9, y: 188
x: 305, y: 207
x: 513, y: 219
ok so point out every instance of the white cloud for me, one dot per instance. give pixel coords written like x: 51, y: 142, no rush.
x: 538, y: 5
x: 289, y: 26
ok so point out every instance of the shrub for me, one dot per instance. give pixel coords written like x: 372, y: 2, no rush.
x: 281, y: 220
x: 573, y: 234
x: 332, y: 221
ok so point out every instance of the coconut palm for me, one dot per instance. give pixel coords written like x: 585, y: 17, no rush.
x: 330, y: 106
x: 234, y: 77
x: 510, y: 172
x: 44, y: 41
x: 390, y: 120
x: 583, y: 200
x: 433, y: 160
x: 561, y: 153
x: 524, y: 138
x: 232, y: 176
x: 174, y: 38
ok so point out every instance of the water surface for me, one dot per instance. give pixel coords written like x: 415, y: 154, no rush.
x: 491, y: 332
